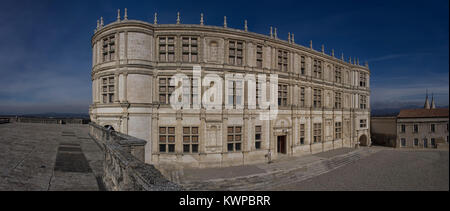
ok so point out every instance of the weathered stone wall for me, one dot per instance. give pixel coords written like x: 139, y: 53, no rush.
x: 124, y: 169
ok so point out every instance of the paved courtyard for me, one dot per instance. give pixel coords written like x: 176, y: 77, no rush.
x: 42, y: 157
x: 386, y: 170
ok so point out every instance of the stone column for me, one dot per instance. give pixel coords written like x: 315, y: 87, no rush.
x: 202, y: 129
x: 155, y: 138
x: 226, y: 49
x: 116, y: 87
x: 125, y: 84
x: 245, y: 140
x: 126, y: 47
x: 179, y: 134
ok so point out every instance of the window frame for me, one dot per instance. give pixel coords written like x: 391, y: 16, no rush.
x: 192, y: 51
x: 338, y: 130
x: 258, y: 141
x: 168, y: 46
x: 234, y: 58
x: 302, y: 65
x: 106, y: 89
x: 283, y: 60
x: 363, y: 123
x: 108, y: 48
x: 317, y: 133
x: 302, y: 96
x: 233, y: 141
x: 338, y: 74
x: 302, y: 134
x: 317, y: 98
x: 283, y: 95
x: 167, y: 87
x: 191, y: 139
x: 259, y: 56
x: 337, y: 100
x: 167, y: 137
x: 318, y: 69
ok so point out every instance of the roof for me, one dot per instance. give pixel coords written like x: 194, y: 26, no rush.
x: 423, y: 113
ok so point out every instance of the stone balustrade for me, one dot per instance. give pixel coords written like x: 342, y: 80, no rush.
x: 124, y: 167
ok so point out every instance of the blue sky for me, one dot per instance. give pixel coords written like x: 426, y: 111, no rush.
x: 45, y: 47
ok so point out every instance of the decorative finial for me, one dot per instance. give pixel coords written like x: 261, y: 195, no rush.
x: 201, y: 19
x: 101, y: 22
x: 271, y: 32
x: 350, y: 60
x: 118, y: 15
x: 332, y: 52
x: 125, y: 17
x: 178, y: 18
x: 342, y: 56
x: 156, y: 19
x: 225, y: 21
x: 98, y: 24
x: 354, y: 60
x: 366, y: 63
x: 310, y: 44
x: 289, y: 37
x: 245, y: 25
x: 293, y: 40
x: 276, y: 34
x: 323, y: 49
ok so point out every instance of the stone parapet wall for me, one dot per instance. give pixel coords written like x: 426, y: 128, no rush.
x: 4, y: 120
x: 124, y: 169
x: 43, y: 120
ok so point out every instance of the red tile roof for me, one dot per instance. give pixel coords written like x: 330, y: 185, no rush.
x: 423, y: 113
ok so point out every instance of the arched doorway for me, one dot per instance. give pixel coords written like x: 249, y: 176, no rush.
x: 363, y: 141
x: 109, y: 127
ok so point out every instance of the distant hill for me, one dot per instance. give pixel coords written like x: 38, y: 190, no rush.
x: 55, y: 115
x: 394, y: 111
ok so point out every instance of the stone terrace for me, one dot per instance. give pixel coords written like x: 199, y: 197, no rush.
x: 41, y: 157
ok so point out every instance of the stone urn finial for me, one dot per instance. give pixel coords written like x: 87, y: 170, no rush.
x: 202, y: 22
x: 225, y: 21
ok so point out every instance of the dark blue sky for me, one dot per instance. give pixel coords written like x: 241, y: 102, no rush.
x: 45, y: 51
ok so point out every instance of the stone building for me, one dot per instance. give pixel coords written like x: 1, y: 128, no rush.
x: 323, y: 101
x: 413, y: 128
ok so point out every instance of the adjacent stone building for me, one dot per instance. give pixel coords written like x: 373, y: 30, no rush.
x: 323, y: 101
x: 413, y: 128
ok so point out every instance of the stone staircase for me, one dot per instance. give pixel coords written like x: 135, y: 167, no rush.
x: 273, y: 179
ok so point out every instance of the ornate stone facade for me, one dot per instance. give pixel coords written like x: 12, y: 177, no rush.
x: 324, y: 104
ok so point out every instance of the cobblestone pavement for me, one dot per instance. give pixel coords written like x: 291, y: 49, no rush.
x: 386, y: 170
x: 271, y: 176
x: 239, y: 171
x: 42, y: 157
x: 367, y: 168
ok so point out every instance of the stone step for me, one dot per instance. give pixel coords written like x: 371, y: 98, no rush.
x: 279, y: 178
